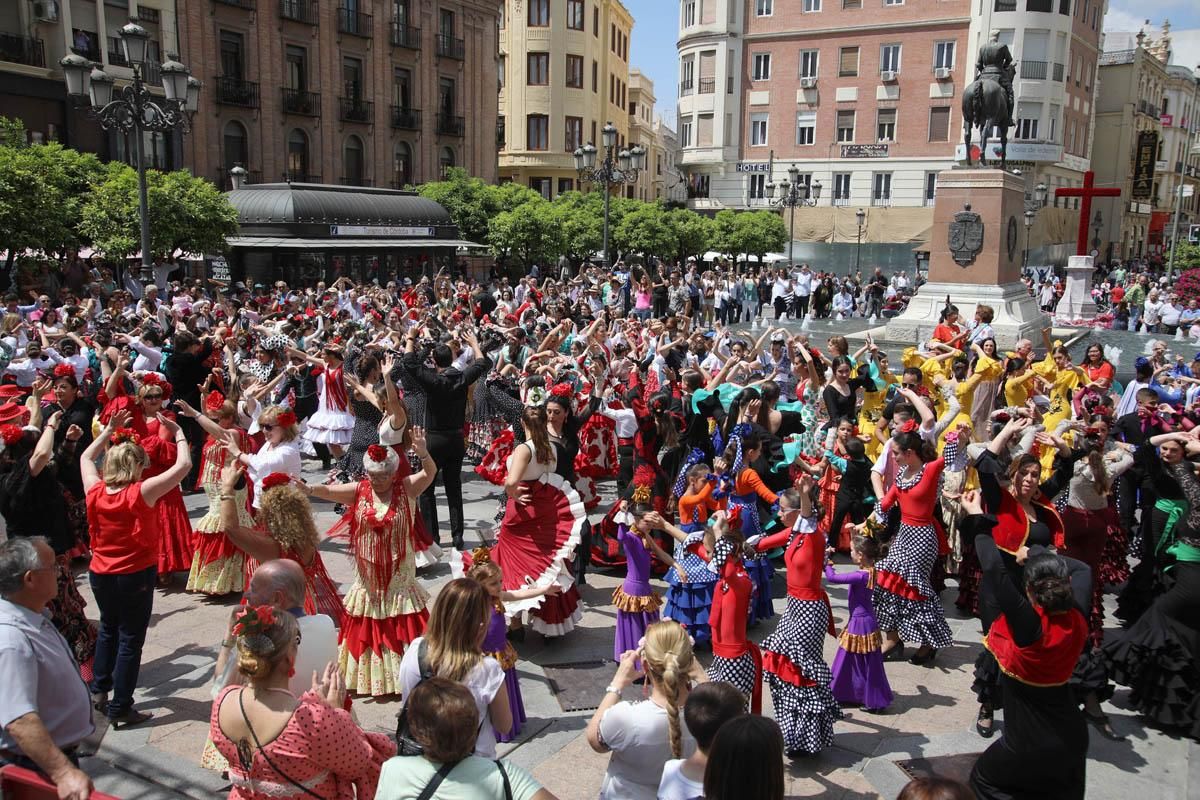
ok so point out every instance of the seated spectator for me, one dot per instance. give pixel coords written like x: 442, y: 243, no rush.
x: 313, y: 746
x: 45, y: 710
x: 708, y: 707
x: 443, y: 720
x: 746, y: 761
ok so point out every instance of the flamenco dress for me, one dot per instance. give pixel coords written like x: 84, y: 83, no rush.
x: 858, y: 673
x: 535, y: 545
x: 797, y: 674
x: 637, y: 604
x: 496, y: 645
x: 748, y: 489
x: 332, y: 423
x: 364, y: 433
x: 218, y: 566
x: 427, y: 551
x: 736, y: 659
x: 385, y: 606
x: 689, y: 602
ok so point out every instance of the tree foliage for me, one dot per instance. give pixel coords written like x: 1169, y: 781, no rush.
x: 528, y: 234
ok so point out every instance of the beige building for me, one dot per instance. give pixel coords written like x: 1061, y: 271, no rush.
x: 664, y: 161
x: 564, y: 73
x: 641, y: 131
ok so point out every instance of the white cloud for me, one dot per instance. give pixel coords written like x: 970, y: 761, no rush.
x: 1117, y: 20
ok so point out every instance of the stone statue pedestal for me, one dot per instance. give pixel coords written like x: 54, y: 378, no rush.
x: 993, y: 278
x: 1076, y: 302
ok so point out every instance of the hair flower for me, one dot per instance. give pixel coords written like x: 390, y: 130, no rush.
x: 377, y: 452
x: 286, y: 419
x: 63, y: 371
x: 275, y: 479
x: 123, y: 435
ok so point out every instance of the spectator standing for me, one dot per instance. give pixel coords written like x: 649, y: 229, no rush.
x: 1152, y: 311
x: 804, y: 288
x: 1135, y: 296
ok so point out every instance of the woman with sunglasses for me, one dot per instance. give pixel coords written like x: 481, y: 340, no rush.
x: 280, y: 451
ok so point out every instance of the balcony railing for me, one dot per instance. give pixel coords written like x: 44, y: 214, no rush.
x: 451, y: 47
x: 708, y: 85
x: 299, y: 11
x: 1033, y: 70
x: 237, y: 92
x: 841, y: 201
x: 1006, y: 5
x: 1059, y: 71
x: 405, y: 36
x: 297, y: 101
x: 500, y: 134
x: 301, y: 177
x: 882, y: 201
x: 22, y: 50
x: 354, y: 22
x: 355, y: 109
x: 685, y: 87
x: 239, y: 3
x: 224, y: 180
x: 406, y: 119
x: 450, y: 125
x: 355, y: 180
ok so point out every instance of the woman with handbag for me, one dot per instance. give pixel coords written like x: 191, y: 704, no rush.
x: 442, y: 721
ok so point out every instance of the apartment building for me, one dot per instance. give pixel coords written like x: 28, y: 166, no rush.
x: 642, y: 132
x: 1178, y: 164
x: 564, y: 73
x: 669, y: 183
x: 354, y: 92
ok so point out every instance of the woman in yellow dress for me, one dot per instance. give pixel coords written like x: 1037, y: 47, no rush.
x: 1062, y: 379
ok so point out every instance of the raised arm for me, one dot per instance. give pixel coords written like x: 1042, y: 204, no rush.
x: 419, y: 481
x: 154, y: 488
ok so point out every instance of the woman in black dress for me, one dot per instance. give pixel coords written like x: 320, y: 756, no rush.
x: 1036, y: 638
x: 78, y: 413
x: 366, y: 404
x: 840, y: 395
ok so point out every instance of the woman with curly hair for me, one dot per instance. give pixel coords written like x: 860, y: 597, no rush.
x: 385, y: 607
x: 279, y: 454
x: 287, y: 531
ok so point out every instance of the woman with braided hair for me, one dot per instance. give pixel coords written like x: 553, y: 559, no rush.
x: 280, y: 745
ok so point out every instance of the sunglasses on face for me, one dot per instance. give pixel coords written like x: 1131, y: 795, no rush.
x: 268, y: 427
x: 154, y: 397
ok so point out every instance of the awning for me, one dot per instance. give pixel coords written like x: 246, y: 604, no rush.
x: 286, y: 243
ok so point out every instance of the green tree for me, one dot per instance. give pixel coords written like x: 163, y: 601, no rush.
x: 469, y: 200
x: 12, y: 133
x: 724, y: 232
x: 187, y: 214
x: 580, y: 216
x: 693, y: 233
x: 758, y: 233
x: 508, y: 196
x: 528, y: 234
x: 644, y: 229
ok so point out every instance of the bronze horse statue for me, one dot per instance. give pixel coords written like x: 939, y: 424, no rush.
x: 985, y: 106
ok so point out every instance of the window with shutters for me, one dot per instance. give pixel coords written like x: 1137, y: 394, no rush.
x: 537, y: 132
x: 574, y: 133
x: 885, y: 125
x: 762, y: 67
x: 939, y: 124
x: 943, y: 55
x: 841, y: 188
x: 574, y: 71
x: 708, y: 72
x: 845, y: 126
x: 704, y: 130
x: 848, y: 62
x: 809, y: 62
x: 881, y: 192
x: 806, y: 127
x: 758, y: 129
x: 538, y: 69
x: 575, y: 15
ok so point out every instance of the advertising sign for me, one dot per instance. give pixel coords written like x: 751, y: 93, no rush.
x: 1144, y: 158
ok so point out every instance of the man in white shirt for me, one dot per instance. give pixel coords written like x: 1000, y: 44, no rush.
x: 803, y: 286
x: 26, y: 369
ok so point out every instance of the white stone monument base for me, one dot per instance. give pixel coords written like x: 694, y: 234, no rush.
x: 1076, y: 303
x: 1017, y: 315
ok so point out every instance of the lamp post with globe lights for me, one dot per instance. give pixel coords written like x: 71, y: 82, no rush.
x: 615, y: 169
x: 132, y: 109
x: 791, y: 194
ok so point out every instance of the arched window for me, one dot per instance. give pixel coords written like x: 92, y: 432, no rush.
x: 297, y: 156
x: 445, y: 161
x: 402, y: 166
x: 236, y: 147
x: 352, y: 162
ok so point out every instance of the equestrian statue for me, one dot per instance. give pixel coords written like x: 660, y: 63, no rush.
x: 987, y: 102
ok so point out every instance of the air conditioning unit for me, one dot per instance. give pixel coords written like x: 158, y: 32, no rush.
x: 808, y: 83
x: 888, y: 75
x: 942, y: 73
x: 45, y: 10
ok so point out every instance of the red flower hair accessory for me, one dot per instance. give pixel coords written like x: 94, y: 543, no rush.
x: 276, y: 479
x: 154, y: 379
x: 10, y: 434
x: 64, y: 371
x: 214, y: 401
x: 123, y: 435
x: 561, y: 390
x: 377, y: 452
x: 286, y: 419
x: 734, y: 518
x: 253, y: 620
x: 908, y: 426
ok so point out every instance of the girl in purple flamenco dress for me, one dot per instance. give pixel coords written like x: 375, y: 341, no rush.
x: 637, y: 604
x: 858, y: 674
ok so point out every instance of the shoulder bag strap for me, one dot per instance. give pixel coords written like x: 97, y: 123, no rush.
x: 504, y: 776
x: 267, y: 758
x: 436, y: 781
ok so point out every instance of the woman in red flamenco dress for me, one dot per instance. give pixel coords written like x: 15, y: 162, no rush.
x: 288, y: 531
x: 540, y: 531
x: 386, y: 606
x: 176, y: 542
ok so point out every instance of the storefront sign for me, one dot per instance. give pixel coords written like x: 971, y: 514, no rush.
x: 864, y: 151
x: 1030, y: 152
x: 379, y: 230
x: 1167, y: 120
x: 218, y: 269
x: 753, y: 166
x: 1143, y: 165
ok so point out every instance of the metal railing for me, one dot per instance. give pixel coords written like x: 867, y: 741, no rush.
x: 237, y: 92
x: 1059, y: 71
x: 1034, y: 70
x: 451, y: 125
x: 353, y: 22
x: 301, y: 177
x: 406, y: 119
x: 685, y: 87
x: 405, y: 36
x: 298, y: 101
x: 355, y: 109
x: 299, y: 10
x: 841, y: 201
x: 451, y: 47
x: 239, y: 3
x: 882, y: 201
x: 355, y: 180
x: 708, y: 86
x: 1117, y: 57
x: 22, y: 50
x: 116, y: 54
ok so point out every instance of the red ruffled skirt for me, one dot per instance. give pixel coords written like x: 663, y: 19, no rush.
x: 176, y: 542
x: 494, y: 466
x: 597, y: 457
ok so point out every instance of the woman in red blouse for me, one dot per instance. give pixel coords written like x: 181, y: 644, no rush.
x: 123, y: 524
x: 1099, y: 370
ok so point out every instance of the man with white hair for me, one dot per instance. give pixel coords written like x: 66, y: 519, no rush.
x: 45, y: 708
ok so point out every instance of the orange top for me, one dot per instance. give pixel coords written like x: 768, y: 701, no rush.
x: 697, y: 507
x: 748, y: 482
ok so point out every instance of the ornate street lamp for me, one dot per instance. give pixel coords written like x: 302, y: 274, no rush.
x: 791, y: 194
x: 615, y: 168
x: 1029, y: 216
x: 132, y: 109
x: 861, y: 216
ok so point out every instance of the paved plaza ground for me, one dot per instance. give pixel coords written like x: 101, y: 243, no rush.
x: 933, y: 714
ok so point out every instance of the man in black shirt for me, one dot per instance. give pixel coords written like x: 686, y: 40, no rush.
x: 445, y: 389
x: 186, y: 371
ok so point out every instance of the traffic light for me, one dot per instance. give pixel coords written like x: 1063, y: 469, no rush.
x: 1194, y: 234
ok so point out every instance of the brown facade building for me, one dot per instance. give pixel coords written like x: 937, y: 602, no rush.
x: 355, y: 92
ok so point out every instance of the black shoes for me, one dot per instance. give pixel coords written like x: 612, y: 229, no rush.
x: 985, y: 716
x: 896, y: 653
x: 128, y: 719
x: 924, y: 657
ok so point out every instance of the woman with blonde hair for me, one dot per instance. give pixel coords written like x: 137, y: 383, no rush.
x: 286, y: 530
x: 643, y: 736
x: 452, y: 648
x: 278, y: 745
x: 280, y: 453
x: 124, y: 529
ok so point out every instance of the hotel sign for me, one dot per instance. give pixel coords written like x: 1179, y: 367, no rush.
x: 753, y: 166
x: 864, y: 151
x: 380, y: 230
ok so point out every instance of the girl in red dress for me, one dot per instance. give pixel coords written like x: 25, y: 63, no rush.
x: 736, y: 659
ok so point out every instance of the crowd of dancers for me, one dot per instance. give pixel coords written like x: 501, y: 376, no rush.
x: 1029, y: 481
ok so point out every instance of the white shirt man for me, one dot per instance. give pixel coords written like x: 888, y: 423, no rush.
x: 803, y: 279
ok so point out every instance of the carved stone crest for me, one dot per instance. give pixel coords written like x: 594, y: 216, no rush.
x: 965, y: 236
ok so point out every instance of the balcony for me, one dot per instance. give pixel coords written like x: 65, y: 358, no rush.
x: 405, y: 36
x: 354, y: 22
x: 841, y: 201
x: 297, y: 101
x: 449, y: 47
x: 882, y: 201
x: 406, y: 119
x: 237, y: 92
x: 685, y: 88
x: 355, y: 109
x: 451, y: 125
x: 500, y: 134
x: 355, y: 180
x: 708, y: 86
x: 1059, y: 72
x: 238, y: 3
x: 301, y: 177
x: 22, y: 50
x: 299, y: 11
x: 1033, y: 70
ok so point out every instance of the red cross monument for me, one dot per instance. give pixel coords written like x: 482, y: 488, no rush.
x: 1087, y: 192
